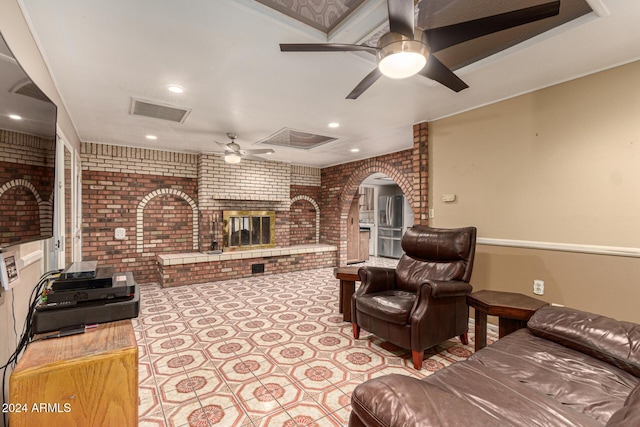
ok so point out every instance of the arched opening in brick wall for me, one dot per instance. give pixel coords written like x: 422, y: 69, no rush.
x: 305, y: 221
x: 351, y: 187
x: 167, y: 221
x: 28, y: 212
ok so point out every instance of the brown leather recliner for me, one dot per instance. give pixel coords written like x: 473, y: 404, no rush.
x: 423, y: 301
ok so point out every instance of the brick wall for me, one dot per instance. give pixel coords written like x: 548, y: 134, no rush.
x: 306, y: 176
x: 173, y: 202
x: 117, y: 179
x: 305, y: 214
x: 168, y: 225
x: 26, y: 184
x: 118, y: 185
x: 340, y: 183
x: 20, y: 210
x: 247, y: 180
x: 420, y: 173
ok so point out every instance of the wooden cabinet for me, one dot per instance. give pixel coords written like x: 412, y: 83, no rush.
x: 89, y: 379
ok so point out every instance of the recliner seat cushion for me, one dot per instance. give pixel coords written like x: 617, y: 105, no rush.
x: 392, y: 306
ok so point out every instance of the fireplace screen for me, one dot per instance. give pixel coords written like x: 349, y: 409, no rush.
x: 249, y: 229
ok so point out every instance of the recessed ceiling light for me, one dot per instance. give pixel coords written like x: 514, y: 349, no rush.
x: 334, y: 125
x: 354, y: 150
x: 175, y: 89
x: 152, y: 137
x: 15, y: 117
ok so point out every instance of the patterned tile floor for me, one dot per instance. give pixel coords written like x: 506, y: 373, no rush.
x: 264, y: 351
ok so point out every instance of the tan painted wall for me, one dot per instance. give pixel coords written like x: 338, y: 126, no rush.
x: 558, y: 165
x: 608, y: 285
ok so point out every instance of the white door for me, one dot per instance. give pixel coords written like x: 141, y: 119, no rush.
x: 66, y: 242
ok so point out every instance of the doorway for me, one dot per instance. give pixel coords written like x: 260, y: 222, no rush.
x: 66, y: 242
x: 386, y: 213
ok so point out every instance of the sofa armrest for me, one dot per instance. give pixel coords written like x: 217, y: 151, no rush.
x: 607, y: 339
x: 449, y: 288
x: 399, y: 401
x: 629, y: 414
x: 376, y: 279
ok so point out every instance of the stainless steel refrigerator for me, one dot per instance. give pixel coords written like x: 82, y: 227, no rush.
x: 390, y: 225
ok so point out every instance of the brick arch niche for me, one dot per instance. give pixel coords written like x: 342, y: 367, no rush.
x: 316, y: 218
x: 351, y: 187
x: 38, y: 221
x: 165, y: 192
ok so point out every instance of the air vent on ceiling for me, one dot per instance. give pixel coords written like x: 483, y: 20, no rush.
x: 27, y: 88
x: 297, y: 139
x: 158, y: 111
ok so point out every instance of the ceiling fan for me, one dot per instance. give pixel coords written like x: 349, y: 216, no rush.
x: 403, y: 51
x: 233, y: 153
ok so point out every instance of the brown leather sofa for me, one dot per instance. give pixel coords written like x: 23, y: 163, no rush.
x: 567, y: 368
x: 423, y: 301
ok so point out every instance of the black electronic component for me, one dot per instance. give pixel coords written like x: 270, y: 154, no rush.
x: 99, y: 311
x: 102, y: 279
x: 122, y: 286
x: 80, y: 270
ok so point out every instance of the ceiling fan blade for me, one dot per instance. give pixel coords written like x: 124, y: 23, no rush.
x: 259, y: 151
x: 222, y: 145
x: 250, y: 157
x: 326, y: 47
x: 401, y: 17
x: 365, y: 84
x: 436, y: 70
x: 450, y: 35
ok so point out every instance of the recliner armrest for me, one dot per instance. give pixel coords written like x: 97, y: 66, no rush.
x: 376, y: 279
x: 448, y: 288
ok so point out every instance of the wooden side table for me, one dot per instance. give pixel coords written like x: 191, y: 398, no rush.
x: 79, y: 380
x: 513, y: 310
x: 348, y: 277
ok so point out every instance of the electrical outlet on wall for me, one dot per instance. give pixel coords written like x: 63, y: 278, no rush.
x: 120, y: 234
x: 538, y: 287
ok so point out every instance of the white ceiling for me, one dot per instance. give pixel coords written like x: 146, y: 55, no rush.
x: 225, y: 54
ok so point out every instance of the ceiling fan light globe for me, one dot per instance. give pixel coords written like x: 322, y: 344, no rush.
x: 232, y: 158
x: 400, y: 57
x: 402, y: 65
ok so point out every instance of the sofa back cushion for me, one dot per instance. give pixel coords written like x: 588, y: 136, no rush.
x: 607, y: 339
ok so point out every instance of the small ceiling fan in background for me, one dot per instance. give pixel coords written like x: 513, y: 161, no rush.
x: 403, y: 51
x: 233, y: 153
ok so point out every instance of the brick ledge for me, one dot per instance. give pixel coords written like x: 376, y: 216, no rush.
x: 196, y: 257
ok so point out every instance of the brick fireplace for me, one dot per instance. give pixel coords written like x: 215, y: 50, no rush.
x: 245, y: 187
